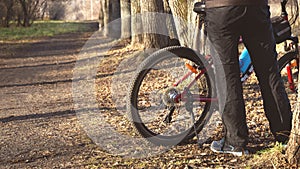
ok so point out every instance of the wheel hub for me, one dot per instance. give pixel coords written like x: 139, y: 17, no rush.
x: 169, y: 96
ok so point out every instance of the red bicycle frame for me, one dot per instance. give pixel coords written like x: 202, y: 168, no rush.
x: 196, y: 97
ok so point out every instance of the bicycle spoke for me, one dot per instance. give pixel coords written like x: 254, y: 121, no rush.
x: 159, y: 94
x: 156, y: 84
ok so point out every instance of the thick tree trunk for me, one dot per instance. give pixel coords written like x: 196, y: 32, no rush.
x: 136, y: 26
x: 153, y: 24
x: 191, y: 18
x: 173, y: 37
x: 111, y: 12
x: 185, y: 20
x: 126, y: 20
x: 115, y: 9
x: 293, y: 151
x: 179, y: 10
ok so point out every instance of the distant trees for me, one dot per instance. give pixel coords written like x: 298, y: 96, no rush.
x: 24, y: 12
x: 56, y: 10
x: 6, y: 12
x: 29, y: 9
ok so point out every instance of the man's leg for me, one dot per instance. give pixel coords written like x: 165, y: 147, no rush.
x: 224, y: 39
x: 261, y: 45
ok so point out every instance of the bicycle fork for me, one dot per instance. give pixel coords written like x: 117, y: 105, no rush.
x: 289, y: 67
x: 290, y: 78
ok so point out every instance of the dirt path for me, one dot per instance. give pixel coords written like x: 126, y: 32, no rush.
x: 38, y: 124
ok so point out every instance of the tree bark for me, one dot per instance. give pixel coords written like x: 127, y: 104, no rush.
x: 173, y: 37
x: 293, y: 151
x: 115, y: 10
x: 111, y: 12
x: 185, y: 20
x: 153, y: 24
x: 179, y: 11
x: 136, y: 26
x: 101, y: 15
x: 126, y: 19
x: 191, y: 22
x: 105, y: 7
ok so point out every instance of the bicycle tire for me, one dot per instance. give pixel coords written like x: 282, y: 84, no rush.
x: 288, y: 58
x: 161, y: 136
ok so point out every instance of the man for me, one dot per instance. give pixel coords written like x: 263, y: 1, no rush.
x: 227, y: 20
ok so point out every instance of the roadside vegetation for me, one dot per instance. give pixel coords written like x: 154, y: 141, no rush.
x: 42, y: 29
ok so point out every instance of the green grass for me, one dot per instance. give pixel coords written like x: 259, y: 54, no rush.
x: 278, y: 148
x: 42, y: 29
x: 269, y: 158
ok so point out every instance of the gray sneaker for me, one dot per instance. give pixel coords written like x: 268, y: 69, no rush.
x: 221, y: 147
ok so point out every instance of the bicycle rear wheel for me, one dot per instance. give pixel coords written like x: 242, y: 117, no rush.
x: 152, y: 109
x: 289, y: 69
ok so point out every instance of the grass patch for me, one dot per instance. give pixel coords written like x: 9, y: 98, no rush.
x: 43, y: 29
x: 269, y: 158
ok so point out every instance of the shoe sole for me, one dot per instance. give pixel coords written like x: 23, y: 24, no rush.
x: 230, y: 152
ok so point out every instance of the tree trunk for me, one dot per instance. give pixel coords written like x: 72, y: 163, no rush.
x: 29, y: 9
x: 185, y: 20
x: 126, y: 19
x: 136, y: 26
x: 44, y: 8
x: 115, y: 13
x: 25, y: 13
x: 293, y: 151
x: 173, y: 37
x: 153, y: 24
x: 179, y: 11
x: 105, y: 7
x: 111, y: 12
x: 9, y: 12
x: 191, y: 18
x: 115, y: 10
x: 101, y: 15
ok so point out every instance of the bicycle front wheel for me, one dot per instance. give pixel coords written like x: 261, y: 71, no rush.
x: 156, y: 111
x: 289, y: 69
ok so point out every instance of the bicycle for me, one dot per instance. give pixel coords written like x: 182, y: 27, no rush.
x: 172, y: 96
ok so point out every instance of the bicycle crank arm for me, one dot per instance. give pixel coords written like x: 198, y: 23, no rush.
x: 168, y: 118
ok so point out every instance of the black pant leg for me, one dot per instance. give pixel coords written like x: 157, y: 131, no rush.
x: 222, y: 33
x: 262, y: 48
